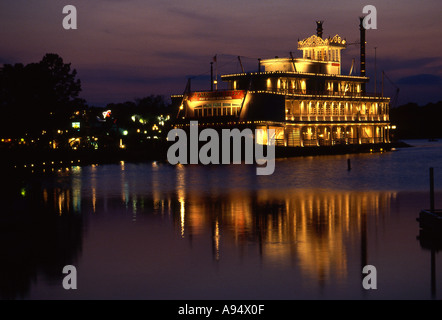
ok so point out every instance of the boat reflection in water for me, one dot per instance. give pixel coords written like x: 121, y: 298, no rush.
x: 162, y: 232
x: 314, y: 229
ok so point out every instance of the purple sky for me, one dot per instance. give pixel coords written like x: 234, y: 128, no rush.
x: 133, y: 48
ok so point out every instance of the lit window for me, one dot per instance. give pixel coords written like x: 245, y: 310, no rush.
x: 75, y: 125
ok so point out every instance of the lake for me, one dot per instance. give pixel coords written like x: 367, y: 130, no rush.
x: 155, y: 231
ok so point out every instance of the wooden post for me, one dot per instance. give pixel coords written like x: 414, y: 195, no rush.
x: 431, y: 189
x: 348, y: 164
x: 433, y: 272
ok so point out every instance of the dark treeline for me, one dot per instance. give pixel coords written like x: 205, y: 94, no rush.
x: 41, y: 108
x: 417, y: 122
x: 37, y: 96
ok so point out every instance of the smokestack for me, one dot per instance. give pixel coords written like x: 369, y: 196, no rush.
x: 319, y: 28
x: 362, y: 40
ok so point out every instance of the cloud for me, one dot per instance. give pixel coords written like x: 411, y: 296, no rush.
x: 125, y: 48
x: 420, y: 79
x: 194, y: 15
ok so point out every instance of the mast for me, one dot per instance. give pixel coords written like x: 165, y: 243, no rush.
x: 216, y: 72
x: 352, y: 65
x: 382, y: 85
x: 362, y: 36
x: 375, y: 73
x: 293, y: 61
x: 211, y: 76
x: 240, y: 63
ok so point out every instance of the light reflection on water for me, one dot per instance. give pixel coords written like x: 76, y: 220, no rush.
x: 164, y: 232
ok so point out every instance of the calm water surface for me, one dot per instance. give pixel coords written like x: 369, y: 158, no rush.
x: 155, y: 231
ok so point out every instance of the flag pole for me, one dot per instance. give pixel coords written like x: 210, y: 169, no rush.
x: 216, y: 72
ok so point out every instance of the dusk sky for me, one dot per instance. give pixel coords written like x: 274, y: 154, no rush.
x: 130, y: 49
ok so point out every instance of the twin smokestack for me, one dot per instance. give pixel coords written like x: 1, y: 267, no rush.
x: 362, y: 41
x: 319, y: 28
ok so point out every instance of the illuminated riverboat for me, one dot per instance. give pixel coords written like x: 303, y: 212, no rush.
x: 307, y: 101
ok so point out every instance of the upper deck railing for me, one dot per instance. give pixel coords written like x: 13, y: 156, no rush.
x: 306, y: 92
x: 327, y: 93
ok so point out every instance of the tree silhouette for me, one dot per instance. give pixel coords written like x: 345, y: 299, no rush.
x: 38, y: 96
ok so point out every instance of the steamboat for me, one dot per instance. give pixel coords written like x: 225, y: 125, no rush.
x: 312, y: 107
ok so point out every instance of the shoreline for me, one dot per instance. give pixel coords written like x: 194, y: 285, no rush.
x: 285, y: 152
x: 32, y: 159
